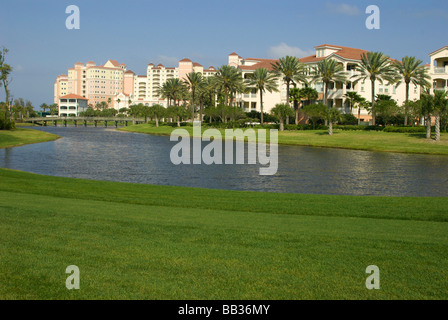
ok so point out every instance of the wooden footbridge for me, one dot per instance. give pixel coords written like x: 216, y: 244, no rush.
x: 84, y: 121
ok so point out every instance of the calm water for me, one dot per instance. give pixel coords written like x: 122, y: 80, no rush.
x: 107, y: 154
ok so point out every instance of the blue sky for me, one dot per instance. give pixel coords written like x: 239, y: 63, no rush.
x: 206, y: 31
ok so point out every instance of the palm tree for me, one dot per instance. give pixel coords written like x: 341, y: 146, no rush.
x: 44, y: 106
x: 172, y: 89
x: 309, y: 94
x: 204, y: 94
x: 282, y: 112
x: 331, y: 115
x: 227, y: 78
x: 327, y: 71
x: 193, y: 81
x: 375, y: 66
x: 291, y: 70
x: 102, y: 106
x: 411, y: 70
x: 157, y: 111
x: 353, y: 97
x: 262, y: 80
x: 296, y: 95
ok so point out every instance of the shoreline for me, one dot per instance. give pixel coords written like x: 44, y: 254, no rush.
x: 283, y: 135
x: 23, y: 136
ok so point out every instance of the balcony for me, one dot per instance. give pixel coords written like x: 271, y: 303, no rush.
x: 441, y: 70
x: 335, y: 94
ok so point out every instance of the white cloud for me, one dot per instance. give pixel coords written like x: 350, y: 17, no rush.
x: 429, y: 14
x: 166, y: 61
x: 19, y: 68
x: 343, y: 8
x: 283, y: 49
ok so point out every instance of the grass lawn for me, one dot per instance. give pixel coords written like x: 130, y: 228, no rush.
x: 359, y: 140
x: 134, y: 241
x: 19, y: 136
x: 26, y: 124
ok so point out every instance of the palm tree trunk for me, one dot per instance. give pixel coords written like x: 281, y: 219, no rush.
x: 325, y: 93
x: 157, y: 121
x: 330, y: 127
x: 261, y: 107
x: 428, y: 126
x: 178, y: 121
x: 373, y: 102
x: 296, y: 107
x: 359, y: 114
x: 200, y: 111
x: 437, y: 137
x: 325, y: 98
x: 406, y: 105
x: 287, y: 100
x: 192, y: 106
x: 281, y: 125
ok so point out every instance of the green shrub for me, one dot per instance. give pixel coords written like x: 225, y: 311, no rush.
x: 305, y: 127
x: 7, y: 125
x: 405, y: 129
x: 348, y: 119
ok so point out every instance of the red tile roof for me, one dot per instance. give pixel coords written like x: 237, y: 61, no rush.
x: 197, y: 64
x: 73, y: 96
x: 262, y: 63
x: 438, y: 50
x: 343, y: 52
x: 185, y: 60
x: 115, y: 63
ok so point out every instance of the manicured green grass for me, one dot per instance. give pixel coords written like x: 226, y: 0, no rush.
x: 358, y: 140
x: 19, y: 136
x: 25, y: 124
x: 134, y: 241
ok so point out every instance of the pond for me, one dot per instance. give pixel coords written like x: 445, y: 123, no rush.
x: 108, y: 154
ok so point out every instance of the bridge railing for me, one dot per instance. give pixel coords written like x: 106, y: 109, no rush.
x: 84, y: 119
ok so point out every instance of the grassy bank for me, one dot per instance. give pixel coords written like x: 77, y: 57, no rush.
x: 159, y: 242
x: 20, y: 136
x: 357, y: 140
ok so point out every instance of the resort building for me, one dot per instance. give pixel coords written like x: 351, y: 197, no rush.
x: 95, y: 83
x: 60, y: 87
x: 145, y: 88
x: 121, y: 88
x: 72, y: 105
x: 348, y: 57
x: 438, y: 69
